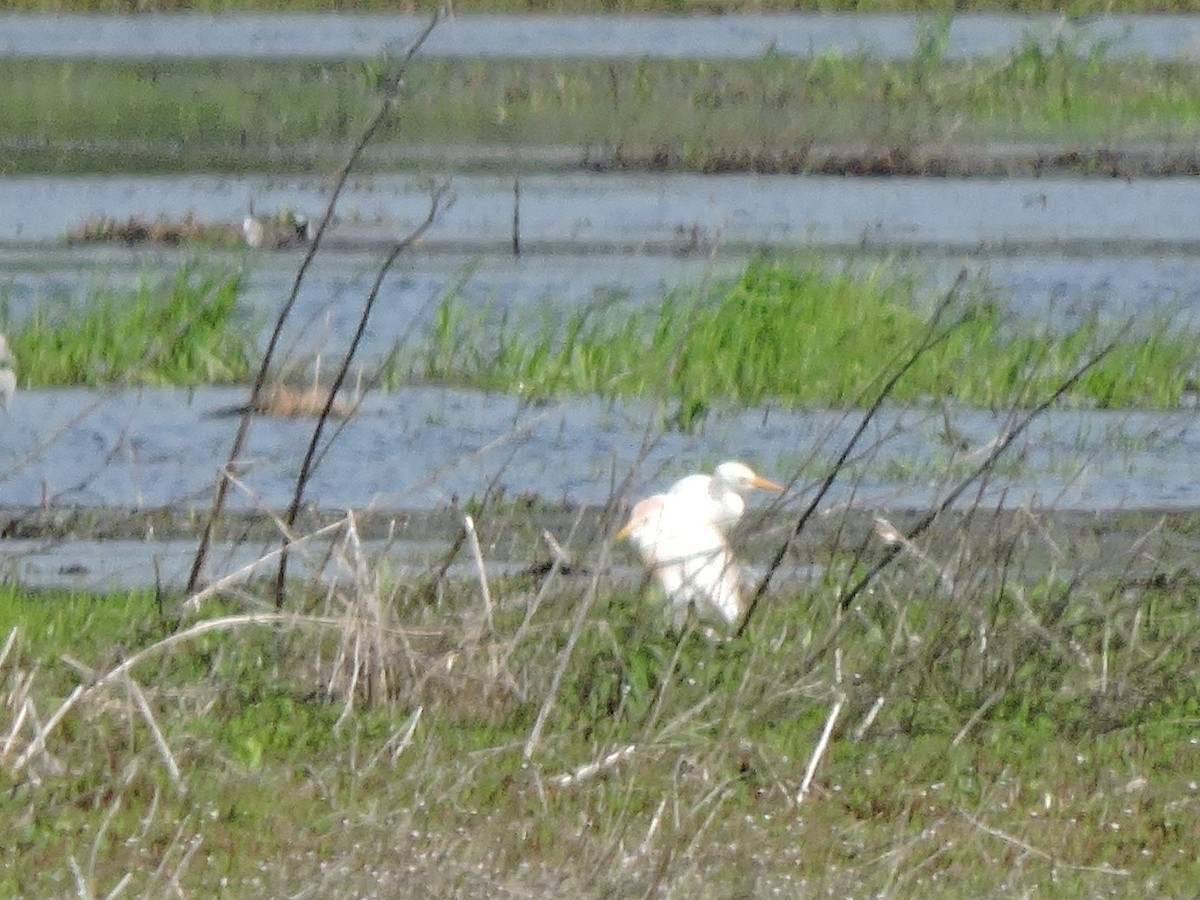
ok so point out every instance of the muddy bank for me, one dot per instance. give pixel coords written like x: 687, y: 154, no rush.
x: 112, y: 549
x: 991, y: 161
x: 1048, y: 159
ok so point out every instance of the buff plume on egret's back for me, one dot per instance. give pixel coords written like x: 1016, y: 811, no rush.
x: 688, y: 557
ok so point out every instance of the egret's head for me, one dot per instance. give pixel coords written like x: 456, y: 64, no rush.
x: 740, y: 477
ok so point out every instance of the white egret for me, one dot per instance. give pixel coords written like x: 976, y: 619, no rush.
x: 689, y: 558
x: 8, y: 374
x: 717, y: 498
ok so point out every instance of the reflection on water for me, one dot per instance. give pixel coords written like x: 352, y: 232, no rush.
x: 363, y: 36
x: 427, y: 448
x: 682, y: 213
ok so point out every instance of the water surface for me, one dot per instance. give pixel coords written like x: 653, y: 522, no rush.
x: 683, y: 213
x: 360, y: 36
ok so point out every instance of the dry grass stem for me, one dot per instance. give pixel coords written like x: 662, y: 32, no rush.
x: 581, y: 611
x: 480, y: 572
x: 869, y: 719
x: 819, y: 751
x: 206, y: 627
x: 977, y: 716
x: 159, y: 741
x: 608, y: 761
x: 1034, y: 851
x: 193, y: 603
x: 892, y: 536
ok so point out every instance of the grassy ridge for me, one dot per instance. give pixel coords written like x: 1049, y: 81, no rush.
x: 181, y: 329
x: 802, y: 336
x: 80, y: 116
x: 1061, y: 747
x: 792, y: 333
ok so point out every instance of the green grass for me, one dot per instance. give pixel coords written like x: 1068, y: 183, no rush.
x: 795, y: 333
x: 802, y: 335
x: 180, y: 329
x: 769, y: 114
x: 1076, y: 761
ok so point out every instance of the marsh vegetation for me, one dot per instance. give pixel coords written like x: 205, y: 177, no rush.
x: 834, y: 113
x: 1011, y: 725
x: 967, y: 701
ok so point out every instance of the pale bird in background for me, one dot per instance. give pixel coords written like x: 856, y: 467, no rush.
x: 688, y: 557
x: 717, y: 498
x: 8, y: 373
x: 282, y: 230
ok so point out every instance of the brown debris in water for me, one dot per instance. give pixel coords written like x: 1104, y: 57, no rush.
x: 273, y: 232
x: 282, y: 401
x: 137, y: 230
x: 285, y: 402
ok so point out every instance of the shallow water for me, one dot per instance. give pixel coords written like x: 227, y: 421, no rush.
x: 359, y: 36
x: 427, y: 448
x: 648, y: 212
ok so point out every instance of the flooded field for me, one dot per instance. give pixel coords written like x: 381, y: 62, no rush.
x: 165, y: 36
x: 423, y: 451
x: 660, y: 213
x: 1048, y: 250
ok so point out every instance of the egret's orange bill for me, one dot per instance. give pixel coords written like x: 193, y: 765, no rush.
x: 766, y: 484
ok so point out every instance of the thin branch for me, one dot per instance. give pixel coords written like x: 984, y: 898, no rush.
x: 239, y: 440
x: 1000, y: 446
x: 984, y: 467
x: 307, y: 466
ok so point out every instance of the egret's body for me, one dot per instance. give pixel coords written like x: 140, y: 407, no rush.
x: 688, y: 557
x: 8, y: 374
x: 717, y: 498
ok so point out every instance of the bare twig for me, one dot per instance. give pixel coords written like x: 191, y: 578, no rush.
x: 239, y: 440
x: 307, y: 466
x: 985, y: 466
